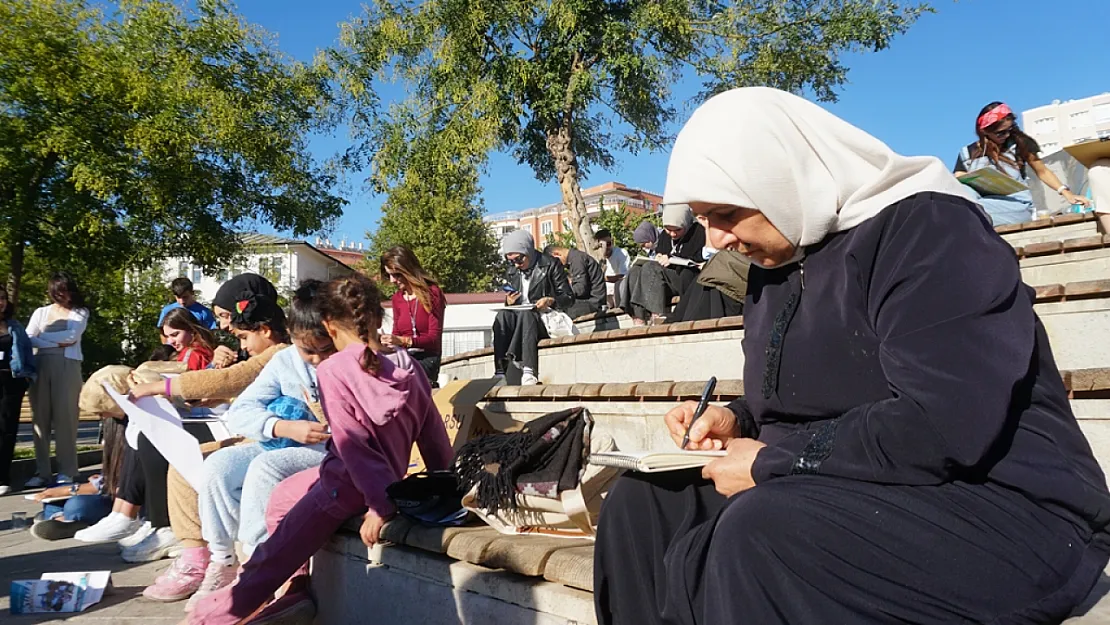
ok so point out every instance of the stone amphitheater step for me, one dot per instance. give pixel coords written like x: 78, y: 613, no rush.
x: 475, y: 575
x: 1076, y: 316
x: 1056, y: 228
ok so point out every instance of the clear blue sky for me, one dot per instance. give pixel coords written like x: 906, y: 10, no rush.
x: 920, y: 96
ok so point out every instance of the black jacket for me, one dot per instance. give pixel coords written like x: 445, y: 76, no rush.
x: 547, y: 278
x: 587, y: 280
x: 689, y: 246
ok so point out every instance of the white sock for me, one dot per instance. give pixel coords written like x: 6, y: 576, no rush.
x: 527, y: 371
x: 222, y: 556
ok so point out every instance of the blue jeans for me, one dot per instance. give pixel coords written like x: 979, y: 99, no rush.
x: 87, y: 508
x: 1007, y: 209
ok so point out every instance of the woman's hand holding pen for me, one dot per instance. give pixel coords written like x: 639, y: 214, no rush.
x: 712, y: 431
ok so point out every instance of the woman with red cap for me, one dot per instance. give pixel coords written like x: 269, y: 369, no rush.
x: 1002, y: 146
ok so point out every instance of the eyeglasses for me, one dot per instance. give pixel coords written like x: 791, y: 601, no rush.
x: 1001, y: 132
x: 390, y: 274
x: 516, y: 259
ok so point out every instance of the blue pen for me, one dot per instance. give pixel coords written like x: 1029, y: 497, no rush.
x: 700, y: 410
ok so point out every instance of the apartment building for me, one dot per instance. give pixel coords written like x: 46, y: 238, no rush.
x: 555, y: 218
x: 1060, y: 124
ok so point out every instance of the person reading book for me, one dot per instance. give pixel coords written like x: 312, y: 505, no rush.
x: 1002, y: 146
x: 905, y: 451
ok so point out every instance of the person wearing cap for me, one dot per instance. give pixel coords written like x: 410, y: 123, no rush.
x: 534, y: 279
x: 238, y: 288
x: 1002, y: 146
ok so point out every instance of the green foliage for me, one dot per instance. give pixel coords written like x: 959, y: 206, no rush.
x: 442, y: 224
x: 152, y: 131
x: 564, y: 84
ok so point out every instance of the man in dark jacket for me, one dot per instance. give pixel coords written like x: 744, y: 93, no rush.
x: 538, y: 283
x: 587, y: 280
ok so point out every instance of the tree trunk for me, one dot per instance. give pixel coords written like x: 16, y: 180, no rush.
x: 15, y: 272
x: 566, y: 168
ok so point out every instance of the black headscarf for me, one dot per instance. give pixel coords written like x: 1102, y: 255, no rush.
x: 242, y: 287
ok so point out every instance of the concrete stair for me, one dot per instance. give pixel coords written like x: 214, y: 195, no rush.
x: 628, y: 378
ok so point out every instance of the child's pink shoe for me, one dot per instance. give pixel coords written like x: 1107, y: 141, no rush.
x: 216, y: 576
x: 182, y: 578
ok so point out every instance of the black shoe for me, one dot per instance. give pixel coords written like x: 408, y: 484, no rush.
x: 54, y: 529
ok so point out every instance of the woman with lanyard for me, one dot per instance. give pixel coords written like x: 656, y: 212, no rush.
x: 418, y: 309
x: 905, y: 451
x: 1002, y: 146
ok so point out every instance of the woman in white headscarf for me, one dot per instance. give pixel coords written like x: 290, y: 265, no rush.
x: 906, y: 452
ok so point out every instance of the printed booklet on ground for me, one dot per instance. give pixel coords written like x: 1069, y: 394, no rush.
x: 59, y: 592
x: 654, y: 461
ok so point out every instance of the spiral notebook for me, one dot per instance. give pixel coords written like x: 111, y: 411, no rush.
x: 654, y: 461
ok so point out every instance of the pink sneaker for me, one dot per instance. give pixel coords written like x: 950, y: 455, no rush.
x: 182, y: 578
x: 216, y: 576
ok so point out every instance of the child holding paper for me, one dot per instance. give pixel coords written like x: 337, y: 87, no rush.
x: 377, y: 405
x: 274, y: 410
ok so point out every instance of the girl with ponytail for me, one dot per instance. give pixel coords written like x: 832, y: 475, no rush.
x: 377, y: 404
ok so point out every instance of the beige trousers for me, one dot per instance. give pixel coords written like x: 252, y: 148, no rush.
x: 182, y: 500
x: 54, y: 409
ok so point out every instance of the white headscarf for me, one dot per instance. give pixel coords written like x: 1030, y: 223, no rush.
x: 678, y: 216
x: 808, y: 171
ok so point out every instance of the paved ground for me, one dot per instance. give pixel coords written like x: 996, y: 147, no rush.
x: 23, y: 556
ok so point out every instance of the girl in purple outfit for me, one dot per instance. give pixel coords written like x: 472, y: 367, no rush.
x: 377, y: 405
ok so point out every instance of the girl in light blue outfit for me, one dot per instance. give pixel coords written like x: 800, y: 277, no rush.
x: 1002, y: 146
x: 276, y: 410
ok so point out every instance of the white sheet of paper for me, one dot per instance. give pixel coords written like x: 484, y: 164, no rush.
x: 97, y: 582
x: 158, y: 419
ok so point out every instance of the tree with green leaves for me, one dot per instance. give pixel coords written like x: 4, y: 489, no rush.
x: 562, y: 84
x: 141, y: 129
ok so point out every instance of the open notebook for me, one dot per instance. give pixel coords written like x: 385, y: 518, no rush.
x: 654, y: 461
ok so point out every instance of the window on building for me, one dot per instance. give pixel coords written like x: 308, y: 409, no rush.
x: 276, y: 266
x: 197, y: 275
x: 547, y: 228
x: 1080, y: 119
x: 182, y: 269
x: 223, y: 275
x: 1100, y: 113
x: 528, y: 228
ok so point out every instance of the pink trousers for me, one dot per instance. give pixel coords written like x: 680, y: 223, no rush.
x: 299, y: 526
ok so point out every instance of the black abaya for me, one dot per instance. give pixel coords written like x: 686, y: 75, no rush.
x: 923, y: 464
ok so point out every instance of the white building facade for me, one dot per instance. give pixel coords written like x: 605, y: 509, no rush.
x: 284, y: 262
x: 1060, y: 124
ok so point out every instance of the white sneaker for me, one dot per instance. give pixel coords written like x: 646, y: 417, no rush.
x: 63, y: 480
x: 529, y: 379
x: 136, y: 537
x: 35, y: 482
x: 5, y: 489
x: 154, y: 547
x: 112, y: 527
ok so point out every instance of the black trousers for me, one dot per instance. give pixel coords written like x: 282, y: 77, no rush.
x: 821, y: 550
x: 12, y: 391
x: 517, y: 335
x: 155, y: 471
x: 132, y: 480
x: 429, y: 363
x: 651, y: 287
x: 582, y: 307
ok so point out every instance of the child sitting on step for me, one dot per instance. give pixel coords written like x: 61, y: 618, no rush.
x: 274, y: 410
x: 377, y: 405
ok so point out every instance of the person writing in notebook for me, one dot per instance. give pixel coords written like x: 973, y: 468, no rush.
x: 905, y: 450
